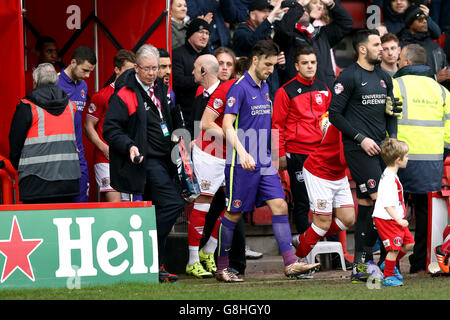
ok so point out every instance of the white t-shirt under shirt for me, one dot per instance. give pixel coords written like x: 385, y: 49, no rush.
x: 390, y: 194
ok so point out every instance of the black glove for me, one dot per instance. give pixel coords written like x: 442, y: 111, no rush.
x: 394, y: 107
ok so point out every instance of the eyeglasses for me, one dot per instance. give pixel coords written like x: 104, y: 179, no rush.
x: 148, y: 69
x: 204, y: 32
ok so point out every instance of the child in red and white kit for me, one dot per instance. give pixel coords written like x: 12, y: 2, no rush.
x: 390, y: 211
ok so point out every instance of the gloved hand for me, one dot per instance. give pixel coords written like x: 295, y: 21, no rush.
x: 324, y: 123
x: 393, y: 108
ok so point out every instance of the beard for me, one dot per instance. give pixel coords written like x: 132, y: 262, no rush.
x: 373, y: 60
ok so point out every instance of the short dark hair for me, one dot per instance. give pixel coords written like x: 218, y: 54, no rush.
x: 416, y: 53
x: 84, y: 53
x: 123, y: 56
x: 362, y: 36
x: 304, y: 50
x: 41, y: 40
x: 266, y: 48
x: 389, y: 37
x: 242, y: 64
x: 163, y: 53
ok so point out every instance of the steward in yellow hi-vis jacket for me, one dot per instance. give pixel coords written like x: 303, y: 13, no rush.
x: 424, y: 124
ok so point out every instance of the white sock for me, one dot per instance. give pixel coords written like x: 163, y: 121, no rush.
x: 193, y: 255
x: 210, y: 245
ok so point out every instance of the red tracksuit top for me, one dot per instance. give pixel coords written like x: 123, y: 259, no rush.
x: 297, y: 109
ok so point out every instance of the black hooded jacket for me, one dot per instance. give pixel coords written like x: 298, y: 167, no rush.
x: 54, y: 100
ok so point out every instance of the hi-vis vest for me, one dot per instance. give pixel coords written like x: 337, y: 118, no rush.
x: 425, y: 120
x: 50, y: 150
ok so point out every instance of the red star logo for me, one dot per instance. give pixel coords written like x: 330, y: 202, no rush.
x: 17, y: 251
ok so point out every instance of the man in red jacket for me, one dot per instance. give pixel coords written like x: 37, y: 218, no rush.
x: 297, y: 109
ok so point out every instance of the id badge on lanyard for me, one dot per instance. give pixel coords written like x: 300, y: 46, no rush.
x: 164, y: 129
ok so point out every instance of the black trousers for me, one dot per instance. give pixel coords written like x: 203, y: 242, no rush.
x: 418, y: 259
x: 299, y: 194
x: 165, y: 196
x: 237, y: 251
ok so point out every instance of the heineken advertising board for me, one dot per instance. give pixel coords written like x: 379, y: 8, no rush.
x: 76, y: 245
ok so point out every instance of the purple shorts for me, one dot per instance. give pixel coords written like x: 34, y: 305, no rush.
x: 247, y: 189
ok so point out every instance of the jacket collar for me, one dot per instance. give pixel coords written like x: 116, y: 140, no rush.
x: 416, y: 70
x: 305, y: 81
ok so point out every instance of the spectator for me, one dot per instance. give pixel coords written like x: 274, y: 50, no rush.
x: 439, y: 12
x: 46, y: 51
x: 164, y: 72
x: 42, y: 128
x: 296, y: 30
x: 178, y: 11
x: 382, y: 30
x: 394, y: 16
x: 235, y: 11
x: 197, y: 36
x: 259, y: 26
x: 71, y: 80
x: 140, y: 142
x: 425, y: 127
x: 391, y: 52
x: 416, y: 27
x: 93, y: 128
x: 220, y: 33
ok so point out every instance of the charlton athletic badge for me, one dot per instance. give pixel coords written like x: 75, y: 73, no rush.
x: 382, y: 83
x: 371, y: 183
x: 338, y: 88
x: 237, y: 203
x: 398, y: 241
x: 231, y: 101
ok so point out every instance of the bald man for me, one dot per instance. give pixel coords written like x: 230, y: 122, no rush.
x: 206, y: 70
x: 209, y: 169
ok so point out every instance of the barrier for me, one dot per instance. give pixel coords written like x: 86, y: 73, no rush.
x: 75, y: 245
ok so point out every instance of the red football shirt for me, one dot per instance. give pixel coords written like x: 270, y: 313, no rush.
x: 216, y: 104
x: 97, y: 110
x: 327, y: 161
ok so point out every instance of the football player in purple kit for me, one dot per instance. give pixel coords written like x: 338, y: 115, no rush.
x: 71, y: 80
x: 251, y: 178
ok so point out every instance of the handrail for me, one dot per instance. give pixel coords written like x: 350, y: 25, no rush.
x: 9, y: 180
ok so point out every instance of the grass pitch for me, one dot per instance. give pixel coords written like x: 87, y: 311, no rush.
x: 417, y: 287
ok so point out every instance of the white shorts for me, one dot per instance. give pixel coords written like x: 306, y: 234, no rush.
x: 324, y: 195
x: 209, y: 170
x: 102, y: 177
x: 103, y: 180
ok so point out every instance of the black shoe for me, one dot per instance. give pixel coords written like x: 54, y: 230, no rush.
x: 165, y: 276
x: 336, y: 263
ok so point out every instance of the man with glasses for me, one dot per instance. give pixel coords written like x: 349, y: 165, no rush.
x: 138, y: 128
x: 197, y: 38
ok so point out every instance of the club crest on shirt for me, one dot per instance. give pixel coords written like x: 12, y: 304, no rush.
x: 205, y: 184
x: 92, y: 108
x: 299, y: 176
x: 338, y: 88
x: 231, y: 101
x: 382, y: 83
x: 237, y: 203
x: 268, y: 97
x: 105, y: 182
x: 321, y: 204
x: 371, y: 183
x: 318, y: 97
x: 217, y: 103
x: 83, y: 93
x: 398, y: 241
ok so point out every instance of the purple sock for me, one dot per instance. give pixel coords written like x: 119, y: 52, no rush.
x: 225, y: 238
x: 282, y: 232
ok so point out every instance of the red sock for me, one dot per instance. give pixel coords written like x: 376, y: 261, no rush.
x: 335, y: 227
x: 389, y: 266
x: 400, y: 255
x: 308, y: 240
x: 196, y: 224
x: 216, y: 226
